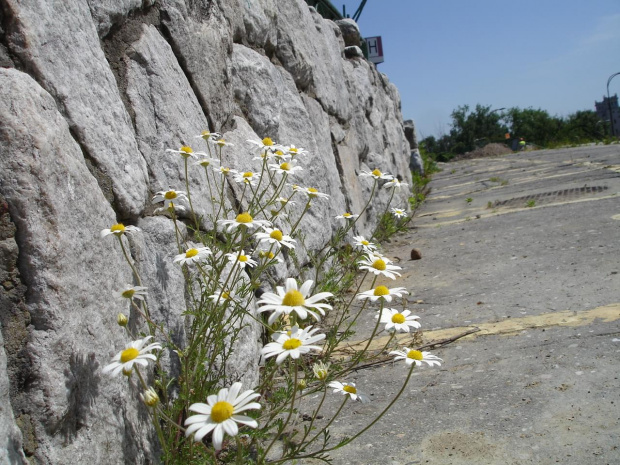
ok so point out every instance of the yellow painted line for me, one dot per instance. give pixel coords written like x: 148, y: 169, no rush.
x: 507, y: 327
x: 507, y: 210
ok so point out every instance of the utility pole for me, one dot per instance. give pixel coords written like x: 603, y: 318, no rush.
x: 611, y: 120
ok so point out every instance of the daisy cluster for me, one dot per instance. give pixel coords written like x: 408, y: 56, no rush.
x: 223, y: 267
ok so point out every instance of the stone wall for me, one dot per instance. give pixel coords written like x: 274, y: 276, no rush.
x: 92, y: 92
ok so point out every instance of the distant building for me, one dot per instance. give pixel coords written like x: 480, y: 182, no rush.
x: 602, y: 110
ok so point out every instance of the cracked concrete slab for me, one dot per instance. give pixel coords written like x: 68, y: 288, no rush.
x: 539, y: 383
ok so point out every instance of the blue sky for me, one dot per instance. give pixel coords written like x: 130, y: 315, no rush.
x: 550, y: 54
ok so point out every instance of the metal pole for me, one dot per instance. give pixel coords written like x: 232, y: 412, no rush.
x: 611, y: 121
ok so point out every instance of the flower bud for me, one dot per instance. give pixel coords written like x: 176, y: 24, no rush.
x: 150, y: 397
x: 122, y: 320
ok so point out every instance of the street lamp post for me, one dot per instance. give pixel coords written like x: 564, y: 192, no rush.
x: 611, y: 121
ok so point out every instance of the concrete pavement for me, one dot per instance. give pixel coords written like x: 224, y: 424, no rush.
x: 525, y: 249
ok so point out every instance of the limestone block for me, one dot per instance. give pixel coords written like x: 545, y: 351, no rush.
x: 109, y: 13
x: 267, y: 94
x: 313, y: 56
x: 70, y: 273
x: 350, y: 32
x: 57, y: 43
x: 10, y: 435
x: 167, y: 116
x: 252, y: 22
x: 202, y: 44
x: 416, y: 164
x: 410, y: 134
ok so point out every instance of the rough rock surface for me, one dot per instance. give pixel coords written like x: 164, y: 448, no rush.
x: 350, y: 32
x: 92, y: 93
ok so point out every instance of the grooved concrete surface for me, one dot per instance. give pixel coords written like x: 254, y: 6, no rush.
x: 539, y: 384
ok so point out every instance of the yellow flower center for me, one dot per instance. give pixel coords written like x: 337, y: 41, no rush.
x: 225, y: 295
x: 293, y: 149
x: 129, y: 354
x: 186, y: 149
x: 248, y: 174
x: 279, y: 153
x: 365, y: 242
x: 276, y: 234
x: 376, y: 172
x: 221, y: 142
x: 349, y: 389
x: 267, y: 141
x: 347, y: 215
x: 379, y: 265
x: 128, y: 294
x: 244, y: 218
x: 221, y: 411
x: 225, y: 170
x: 243, y: 258
x: 291, y: 344
x: 270, y: 255
x: 415, y: 354
x: 293, y: 298
x: 398, y: 318
x: 118, y: 228
x: 285, y: 166
x: 381, y: 290
x: 170, y: 195
x: 191, y: 253
x: 312, y: 192
x: 205, y: 134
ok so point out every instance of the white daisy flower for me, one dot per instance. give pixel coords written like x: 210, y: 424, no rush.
x: 244, y: 219
x: 382, y: 292
x: 399, y: 212
x: 192, y: 255
x: 291, y: 299
x: 379, y: 265
x: 241, y: 258
x: 170, y: 195
x: 207, y: 161
x: 269, y: 255
x: 294, y: 151
x: 275, y: 237
x: 118, y: 230
x: 285, y: 168
x: 376, y: 174
x: 132, y: 292
x: 168, y: 207
x: 312, y: 193
x: 220, y: 296
x: 185, y: 151
x: 365, y: 245
x: 346, y: 216
x: 415, y: 356
x: 266, y: 146
x: 221, y: 143
x: 284, y: 201
x: 135, y: 353
x: 221, y: 414
x: 225, y: 170
x: 208, y: 135
x: 247, y: 177
x: 395, y: 183
x: 398, y: 321
x: 350, y: 390
x: 295, y: 344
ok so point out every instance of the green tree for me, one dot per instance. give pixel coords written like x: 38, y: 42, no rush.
x: 535, y: 126
x: 470, y: 128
